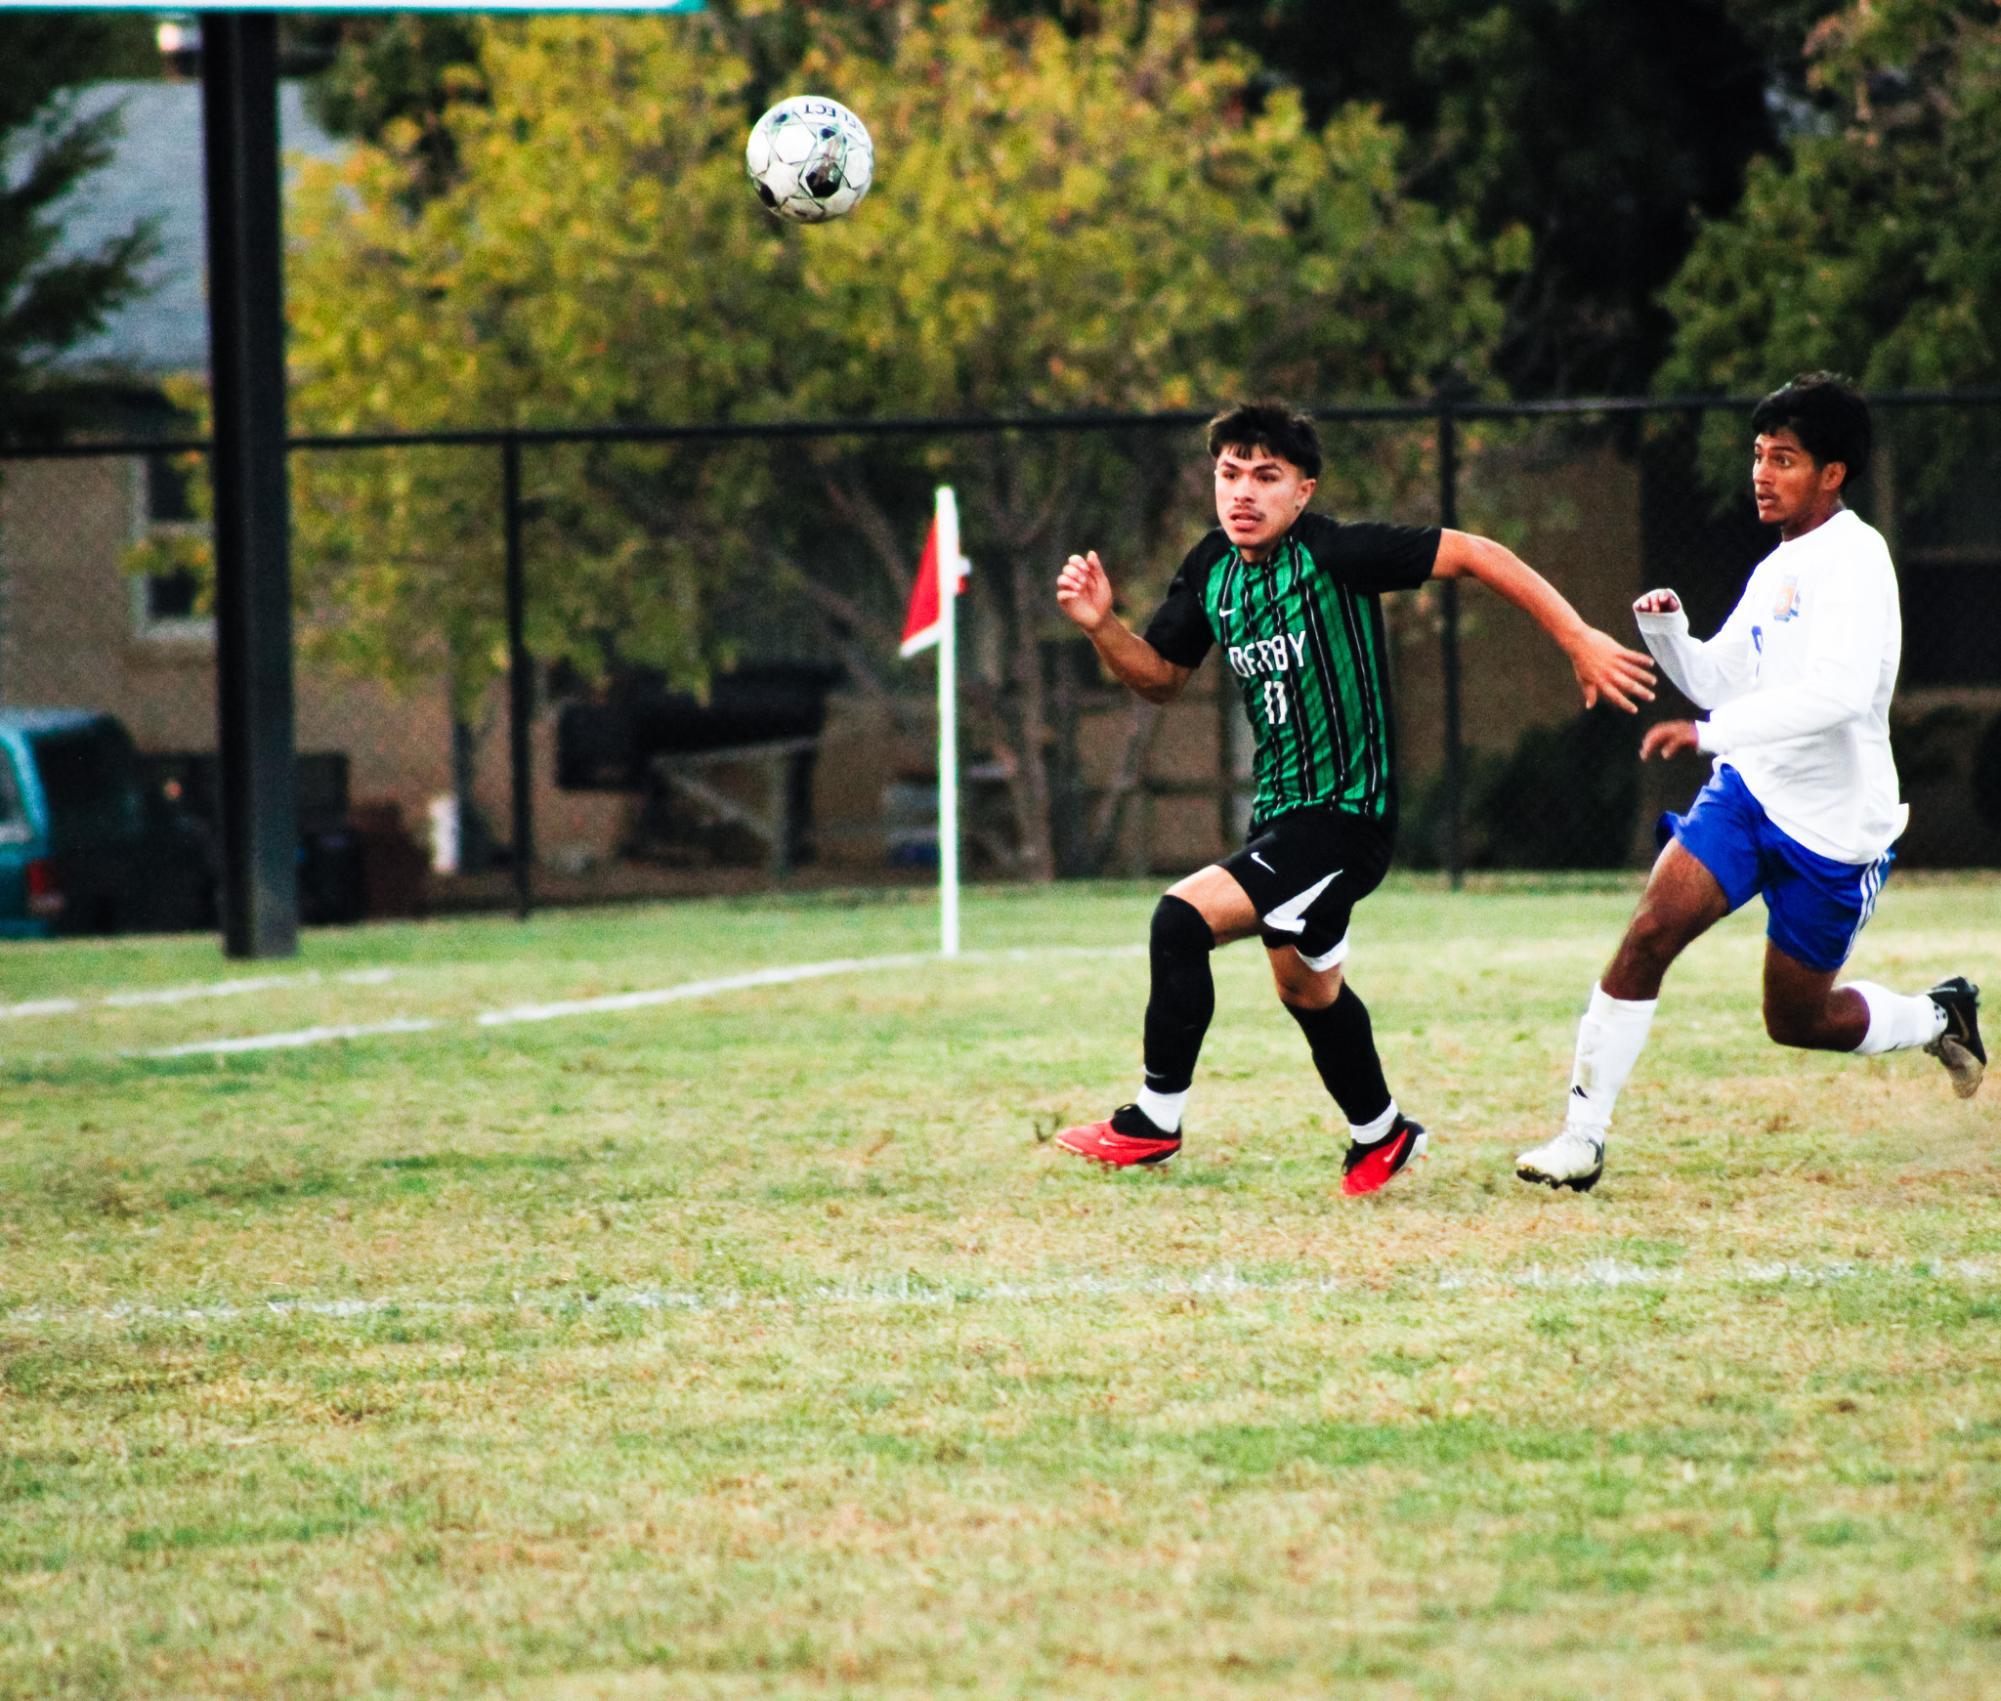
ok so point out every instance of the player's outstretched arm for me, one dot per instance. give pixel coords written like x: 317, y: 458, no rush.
x: 1605, y: 668
x: 1084, y: 593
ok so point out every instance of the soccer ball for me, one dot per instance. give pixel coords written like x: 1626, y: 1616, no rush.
x: 811, y: 159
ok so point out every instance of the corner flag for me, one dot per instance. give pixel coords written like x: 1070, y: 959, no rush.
x: 940, y: 573
x: 925, y: 622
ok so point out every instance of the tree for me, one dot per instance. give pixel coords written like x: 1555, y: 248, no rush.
x: 1091, y: 217
x: 1603, y: 130
x: 402, y: 67
x: 1874, y: 244
x: 49, y: 301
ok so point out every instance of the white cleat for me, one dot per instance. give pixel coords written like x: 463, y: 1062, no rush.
x: 1570, y: 1160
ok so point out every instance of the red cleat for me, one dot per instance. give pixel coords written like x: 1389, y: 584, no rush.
x: 1106, y: 1143
x: 1369, y: 1167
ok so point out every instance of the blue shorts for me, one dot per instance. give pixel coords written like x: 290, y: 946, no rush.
x: 1817, y: 906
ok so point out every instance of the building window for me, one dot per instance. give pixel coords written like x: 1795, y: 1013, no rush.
x: 171, y: 596
x: 170, y: 498
x: 166, y: 604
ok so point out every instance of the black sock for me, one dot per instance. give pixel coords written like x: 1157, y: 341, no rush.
x: 1344, y: 1051
x: 1183, y: 998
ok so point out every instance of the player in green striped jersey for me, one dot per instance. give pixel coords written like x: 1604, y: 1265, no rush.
x: 1292, y: 600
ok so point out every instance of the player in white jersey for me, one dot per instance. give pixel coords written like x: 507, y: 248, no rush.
x: 1802, y: 806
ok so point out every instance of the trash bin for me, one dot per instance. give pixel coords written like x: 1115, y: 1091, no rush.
x: 392, y: 862
x: 332, y: 888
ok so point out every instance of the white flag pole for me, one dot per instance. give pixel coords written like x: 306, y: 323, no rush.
x: 948, y: 722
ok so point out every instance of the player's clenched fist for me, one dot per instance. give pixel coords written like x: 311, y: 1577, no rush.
x: 1657, y: 602
x: 1083, y: 592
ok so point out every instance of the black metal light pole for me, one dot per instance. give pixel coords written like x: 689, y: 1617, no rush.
x: 253, y: 603
x: 1448, y: 515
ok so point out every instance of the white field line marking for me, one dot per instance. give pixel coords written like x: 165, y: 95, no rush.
x: 40, y: 1007
x: 903, y: 1292
x: 298, y: 1037
x: 188, y: 994
x: 236, y: 988
x: 784, y: 975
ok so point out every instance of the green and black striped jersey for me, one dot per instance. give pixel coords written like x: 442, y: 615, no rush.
x: 1302, y: 632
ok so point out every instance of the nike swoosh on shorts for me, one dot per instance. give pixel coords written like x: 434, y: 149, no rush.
x: 1290, y: 916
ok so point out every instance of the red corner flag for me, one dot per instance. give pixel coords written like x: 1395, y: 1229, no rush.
x: 921, y: 625
x: 929, y: 622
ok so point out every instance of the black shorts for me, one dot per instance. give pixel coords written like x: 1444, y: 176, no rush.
x: 1306, y: 872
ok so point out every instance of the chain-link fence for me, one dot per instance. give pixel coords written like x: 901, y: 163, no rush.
x: 556, y: 663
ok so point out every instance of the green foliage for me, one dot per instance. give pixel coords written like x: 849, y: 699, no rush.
x: 49, y: 52
x: 570, y: 273
x: 1598, y: 131
x: 1604, y: 132
x: 1094, y: 220
x: 400, y: 67
x: 1874, y: 247
x: 48, y: 303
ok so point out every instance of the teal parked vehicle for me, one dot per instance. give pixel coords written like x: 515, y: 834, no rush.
x: 84, y: 846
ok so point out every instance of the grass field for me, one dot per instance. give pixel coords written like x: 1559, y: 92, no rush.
x: 758, y: 1343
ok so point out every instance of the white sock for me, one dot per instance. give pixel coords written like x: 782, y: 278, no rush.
x: 1366, y: 1133
x: 1163, y: 1110
x: 1609, y: 1040
x: 1897, y: 1021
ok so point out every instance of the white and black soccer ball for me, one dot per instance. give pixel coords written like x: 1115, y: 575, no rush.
x: 810, y: 158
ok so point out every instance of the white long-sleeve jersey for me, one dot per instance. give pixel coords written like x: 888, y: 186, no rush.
x: 1797, y: 684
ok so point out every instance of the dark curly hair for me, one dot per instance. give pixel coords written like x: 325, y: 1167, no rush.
x: 1829, y: 416
x: 1276, y: 427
